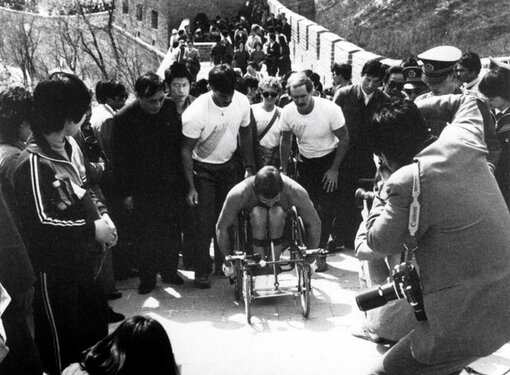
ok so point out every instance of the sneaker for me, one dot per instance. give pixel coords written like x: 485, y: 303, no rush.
x: 334, y: 247
x: 202, y: 282
x: 322, y: 266
x: 145, y: 288
x: 114, y: 295
x: 114, y: 317
x: 175, y: 280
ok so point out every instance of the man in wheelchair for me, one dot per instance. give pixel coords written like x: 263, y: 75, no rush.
x: 267, y: 197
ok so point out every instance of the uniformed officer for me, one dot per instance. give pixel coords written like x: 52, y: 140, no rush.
x: 439, y: 70
x: 439, y: 74
x: 413, y: 85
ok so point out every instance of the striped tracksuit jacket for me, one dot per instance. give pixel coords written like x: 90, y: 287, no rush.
x: 59, y: 232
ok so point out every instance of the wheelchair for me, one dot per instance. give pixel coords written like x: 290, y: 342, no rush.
x: 248, y: 265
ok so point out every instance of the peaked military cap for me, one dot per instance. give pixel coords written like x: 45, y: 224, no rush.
x: 438, y: 62
x: 412, y: 76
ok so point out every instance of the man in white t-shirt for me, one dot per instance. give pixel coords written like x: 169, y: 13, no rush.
x: 211, y: 126
x: 322, y: 137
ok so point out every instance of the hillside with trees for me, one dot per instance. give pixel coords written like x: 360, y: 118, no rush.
x: 397, y: 28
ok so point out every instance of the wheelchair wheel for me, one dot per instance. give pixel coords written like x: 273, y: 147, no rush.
x: 238, y: 288
x: 298, y: 229
x: 247, y: 294
x: 304, y: 288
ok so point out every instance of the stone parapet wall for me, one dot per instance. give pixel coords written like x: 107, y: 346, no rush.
x: 315, y: 47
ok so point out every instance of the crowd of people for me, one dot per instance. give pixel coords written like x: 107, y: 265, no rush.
x: 95, y: 195
x: 240, y: 42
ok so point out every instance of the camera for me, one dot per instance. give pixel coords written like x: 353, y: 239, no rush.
x: 405, y: 284
x: 362, y: 194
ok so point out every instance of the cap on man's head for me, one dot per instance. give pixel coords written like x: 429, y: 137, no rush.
x: 438, y: 62
x: 412, y: 76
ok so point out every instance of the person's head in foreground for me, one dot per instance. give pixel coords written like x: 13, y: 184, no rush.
x: 139, y: 346
x: 398, y: 133
x: 60, y: 103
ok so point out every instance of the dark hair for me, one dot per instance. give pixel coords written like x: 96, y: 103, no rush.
x: 109, y: 90
x: 148, y: 85
x: 282, y: 41
x: 496, y: 83
x: 398, y: 131
x: 373, y: 68
x: 241, y: 86
x: 198, y: 88
x: 471, y: 61
x: 222, y: 78
x: 60, y: 98
x: 392, y: 70
x: 140, y: 345
x: 15, y: 108
x: 344, y: 70
x: 252, y: 82
x: 268, y: 182
x: 177, y: 70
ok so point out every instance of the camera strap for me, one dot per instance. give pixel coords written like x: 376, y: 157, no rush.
x: 414, y: 213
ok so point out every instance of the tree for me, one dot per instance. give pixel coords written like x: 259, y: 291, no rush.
x: 19, y: 45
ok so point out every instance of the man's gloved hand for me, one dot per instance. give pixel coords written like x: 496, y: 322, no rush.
x: 228, y: 269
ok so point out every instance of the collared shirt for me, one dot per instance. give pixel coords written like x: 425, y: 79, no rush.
x: 366, y: 96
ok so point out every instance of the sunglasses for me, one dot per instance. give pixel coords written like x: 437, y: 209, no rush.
x: 267, y: 94
x: 396, y: 85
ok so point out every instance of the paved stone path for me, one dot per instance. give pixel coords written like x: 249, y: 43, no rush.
x: 210, y: 335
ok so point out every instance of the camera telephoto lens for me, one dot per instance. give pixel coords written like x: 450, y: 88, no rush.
x: 376, y: 297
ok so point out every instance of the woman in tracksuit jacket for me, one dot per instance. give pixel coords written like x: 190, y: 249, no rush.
x: 62, y: 225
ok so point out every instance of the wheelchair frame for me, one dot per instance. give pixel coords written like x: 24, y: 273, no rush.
x: 245, y: 264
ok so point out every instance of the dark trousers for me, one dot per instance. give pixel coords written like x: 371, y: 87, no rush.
x: 23, y: 357
x: 348, y: 216
x: 213, y: 182
x: 124, y: 253
x: 189, y: 236
x: 159, y: 240
x: 70, y: 315
x: 311, y: 172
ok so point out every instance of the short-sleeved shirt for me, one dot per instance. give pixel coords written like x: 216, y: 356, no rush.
x: 263, y: 118
x: 314, y: 131
x: 216, y: 128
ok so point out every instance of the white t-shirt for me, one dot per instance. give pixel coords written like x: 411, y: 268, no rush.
x: 216, y: 128
x: 272, y: 137
x: 314, y: 131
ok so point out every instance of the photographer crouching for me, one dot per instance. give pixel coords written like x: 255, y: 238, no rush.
x: 386, y: 318
x: 441, y: 202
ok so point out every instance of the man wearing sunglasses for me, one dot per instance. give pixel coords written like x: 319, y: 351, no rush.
x: 394, y: 82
